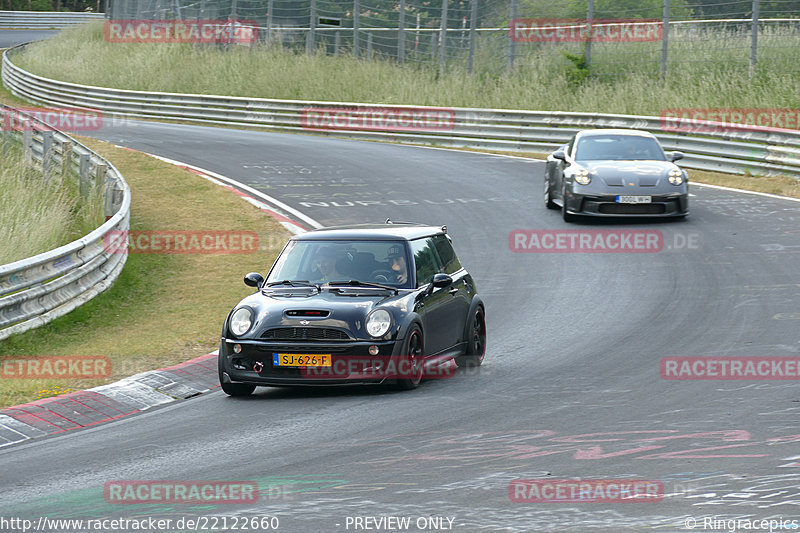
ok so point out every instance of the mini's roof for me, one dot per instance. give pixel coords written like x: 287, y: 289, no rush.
x: 383, y: 232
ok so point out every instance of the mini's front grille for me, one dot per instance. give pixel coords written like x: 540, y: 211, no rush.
x: 303, y: 334
x: 632, y: 209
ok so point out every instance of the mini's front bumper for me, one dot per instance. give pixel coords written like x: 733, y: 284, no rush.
x: 351, y: 363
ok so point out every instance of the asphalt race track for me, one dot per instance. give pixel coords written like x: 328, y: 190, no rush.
x: 570, y: 388
x: 10, y: 38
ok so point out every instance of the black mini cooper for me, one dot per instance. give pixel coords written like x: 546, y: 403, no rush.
x: 361, y: 304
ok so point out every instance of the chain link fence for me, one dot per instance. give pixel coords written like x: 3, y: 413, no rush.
x: 591, y: 37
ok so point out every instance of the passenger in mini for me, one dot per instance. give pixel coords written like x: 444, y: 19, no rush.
x: 397, y: 260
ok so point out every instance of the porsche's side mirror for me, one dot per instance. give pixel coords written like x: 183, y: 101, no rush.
x: 559, y: 154
x: 674, y: 156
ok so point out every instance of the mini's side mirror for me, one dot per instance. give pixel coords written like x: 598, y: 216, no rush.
x: 674, y: 156
x: 559, y: 154
x: 441, y: 280
x: 254, y: 279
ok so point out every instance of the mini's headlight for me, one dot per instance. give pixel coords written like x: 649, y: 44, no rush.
x: 378, y: 322
x: 675, y: 176
x: 582, y: 176
x: 241, y: 321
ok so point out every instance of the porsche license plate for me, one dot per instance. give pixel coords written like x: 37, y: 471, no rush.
x: 301, y: 359
x: 634, y: 199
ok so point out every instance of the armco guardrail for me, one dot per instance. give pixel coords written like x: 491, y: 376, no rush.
x: 735, y: 150
x: 25, y: 20
x: 38, y: 289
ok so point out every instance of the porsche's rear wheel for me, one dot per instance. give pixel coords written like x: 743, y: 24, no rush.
x: 476, y: 346
x: 232, y: 389
x: 411, y: 360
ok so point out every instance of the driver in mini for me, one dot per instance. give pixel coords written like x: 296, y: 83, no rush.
x: 325, y: 262
x: 397, y: 261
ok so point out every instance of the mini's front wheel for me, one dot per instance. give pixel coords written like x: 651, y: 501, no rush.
x: 409, y: 374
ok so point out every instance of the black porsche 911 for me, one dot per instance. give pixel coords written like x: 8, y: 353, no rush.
x: 362, y: 304
x: 615, y: 172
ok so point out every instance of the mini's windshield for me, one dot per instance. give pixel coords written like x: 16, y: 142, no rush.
x: 318, y: 262
x: 618, y: 147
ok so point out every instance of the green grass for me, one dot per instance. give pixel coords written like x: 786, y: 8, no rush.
x: 38, y: 214
x: 706, y: 69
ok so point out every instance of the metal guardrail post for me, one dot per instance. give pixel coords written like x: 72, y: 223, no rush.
x: 66, y: 158
x: 369, y: 46
x: 83, y: 175
x: 47, y: 154
x: 100, y: 171
x: 27, y: 142
x: 108, y: 197
x: 6, y: 136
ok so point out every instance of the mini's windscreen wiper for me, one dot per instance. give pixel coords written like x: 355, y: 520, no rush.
x: 292, y: 283
x: 356, y: 283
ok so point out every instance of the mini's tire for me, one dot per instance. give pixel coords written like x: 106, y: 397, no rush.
x: 412, y: 356
x: 476, y: 343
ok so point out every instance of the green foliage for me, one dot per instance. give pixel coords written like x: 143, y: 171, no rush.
x: 578, y: 75
x: 606, y: 9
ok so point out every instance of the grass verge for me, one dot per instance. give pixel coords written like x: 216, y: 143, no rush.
x: 164, y: 308
x: 27, y: 199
